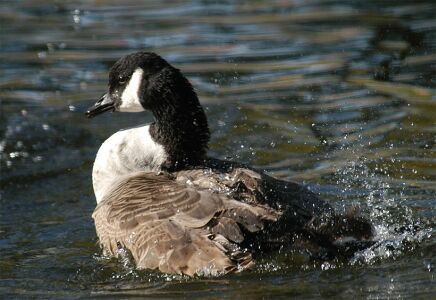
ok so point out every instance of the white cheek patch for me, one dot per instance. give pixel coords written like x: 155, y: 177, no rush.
x: 130, y: 97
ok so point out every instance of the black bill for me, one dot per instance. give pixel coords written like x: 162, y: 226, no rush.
x: 104, y: 104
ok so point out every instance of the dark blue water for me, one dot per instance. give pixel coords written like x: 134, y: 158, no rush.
x: 338, y: 95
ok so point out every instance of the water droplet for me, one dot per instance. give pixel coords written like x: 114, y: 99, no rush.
x: 76, y: 16
x: 37, y: 158
x: 326, y: 266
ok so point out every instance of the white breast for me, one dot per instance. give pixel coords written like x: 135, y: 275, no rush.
x: 125, y: 152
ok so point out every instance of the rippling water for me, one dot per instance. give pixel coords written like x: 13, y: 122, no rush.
x: 338, y: 95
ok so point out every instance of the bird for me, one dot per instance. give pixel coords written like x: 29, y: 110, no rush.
x: 175, y: 209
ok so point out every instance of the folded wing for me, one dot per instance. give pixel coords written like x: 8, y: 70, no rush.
x: 170, y: 226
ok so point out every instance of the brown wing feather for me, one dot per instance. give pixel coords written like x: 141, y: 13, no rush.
x: 175, y: 228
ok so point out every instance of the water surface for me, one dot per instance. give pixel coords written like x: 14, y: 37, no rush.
x: 340, y: 96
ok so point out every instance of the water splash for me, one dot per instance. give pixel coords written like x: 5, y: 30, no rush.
x: 397, y: 230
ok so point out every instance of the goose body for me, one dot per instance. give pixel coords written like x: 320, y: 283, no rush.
x: 176, y: 210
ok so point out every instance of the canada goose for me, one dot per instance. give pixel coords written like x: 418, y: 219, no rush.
x: 159, y: 195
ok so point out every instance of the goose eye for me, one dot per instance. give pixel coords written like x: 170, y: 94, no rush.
x: 122, y: 80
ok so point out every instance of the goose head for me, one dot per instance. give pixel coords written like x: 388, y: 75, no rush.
x: 130, y: 80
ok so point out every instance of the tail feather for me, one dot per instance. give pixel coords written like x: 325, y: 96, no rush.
x: 341, y: 234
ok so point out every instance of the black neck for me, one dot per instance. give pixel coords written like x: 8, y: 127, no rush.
x: 181, y: 124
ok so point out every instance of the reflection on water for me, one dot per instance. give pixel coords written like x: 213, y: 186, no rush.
x: 339, y: 95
